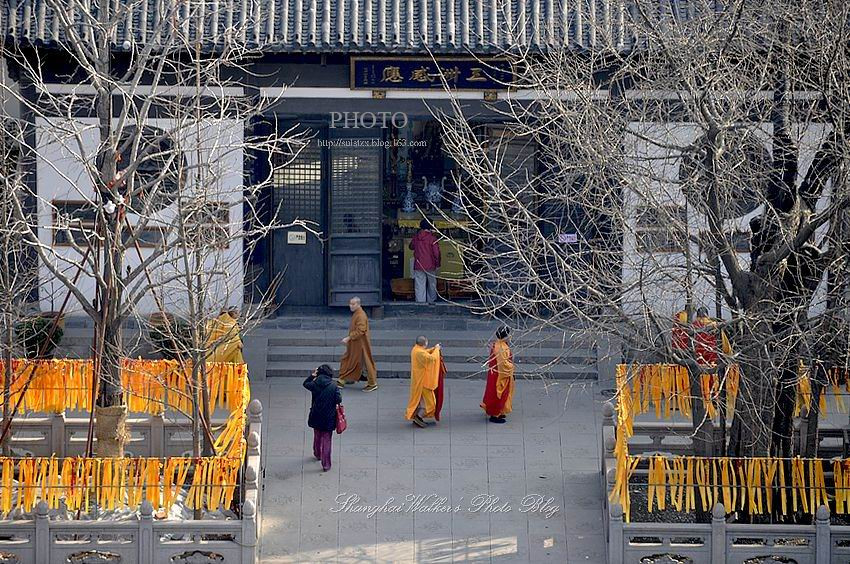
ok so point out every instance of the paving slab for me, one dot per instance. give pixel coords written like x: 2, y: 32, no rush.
x: 463, y: 490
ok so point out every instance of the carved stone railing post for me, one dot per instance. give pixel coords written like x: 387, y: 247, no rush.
x: 146, y: 532
x: 42, y: 534
x: 157, y: 436
x: 822, y: 536
x: 249, y: 532
x: 253, y: 440
x: 718, y: 534
x: 252, y: 481
x: 57, y: 434
x: 255, y: 417
x: 253, y: 443
x: 610, y: 479
x: 615, y: 534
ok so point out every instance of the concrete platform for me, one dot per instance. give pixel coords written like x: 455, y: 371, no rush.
x: 547, y: 453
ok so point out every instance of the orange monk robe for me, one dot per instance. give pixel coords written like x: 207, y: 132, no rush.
x: 358, y: 350
x: 224, y: 340
x: 424, y: 379
x: 499, y: 391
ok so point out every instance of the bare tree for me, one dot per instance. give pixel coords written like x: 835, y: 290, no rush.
x: 135, y: 135
x: 697, y: 158
x: 17, y: 272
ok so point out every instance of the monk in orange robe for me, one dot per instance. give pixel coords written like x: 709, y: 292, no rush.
x: 424, y: 379
x: 223, y: 338
x: 499, y: 391
x: 358, y: 350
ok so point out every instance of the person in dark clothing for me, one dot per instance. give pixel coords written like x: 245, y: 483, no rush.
x: 322, y: 418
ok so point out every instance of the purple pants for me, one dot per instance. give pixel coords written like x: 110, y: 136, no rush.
x: 322, y: 447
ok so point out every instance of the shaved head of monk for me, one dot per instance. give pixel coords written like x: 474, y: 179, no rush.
x: 354, y: 303
x: 422, y: 341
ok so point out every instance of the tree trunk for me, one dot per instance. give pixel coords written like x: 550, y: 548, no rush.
x: 110, y: 412
x: 196, y: 422
x: 753, y: 422
x: 207, y: 447
x: 703, y: 438
x: 784, y: 412
x: 809, y: 423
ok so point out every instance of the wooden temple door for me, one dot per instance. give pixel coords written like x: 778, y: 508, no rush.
x: 299, y: 194
x: 354, y: 235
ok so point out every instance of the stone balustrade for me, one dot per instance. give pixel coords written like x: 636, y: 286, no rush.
x: 142, y: 540
x: 717, y: 542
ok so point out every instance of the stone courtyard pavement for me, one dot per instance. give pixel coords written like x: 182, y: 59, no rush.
x: 548, y: 448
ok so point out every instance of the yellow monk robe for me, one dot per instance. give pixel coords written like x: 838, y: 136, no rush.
x: 499, y: 391
x: 358, y: 351
x: 424, y: 379
x: 223, y: 334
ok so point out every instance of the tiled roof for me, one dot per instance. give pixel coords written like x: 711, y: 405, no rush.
x: 371, y: 26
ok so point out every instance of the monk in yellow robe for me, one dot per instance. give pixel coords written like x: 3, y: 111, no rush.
x: 223, y: 340
x: 499, y: 391
x: 358, y: 350
x: 424, y: 379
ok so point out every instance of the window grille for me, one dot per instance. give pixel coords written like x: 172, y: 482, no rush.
x: 74, y: 223
x: 356, y: 190
x: 659, y: 229
x: 298, y: 184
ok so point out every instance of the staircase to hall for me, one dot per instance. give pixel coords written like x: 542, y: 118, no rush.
x: 292, y: 345
x: 298, y: 344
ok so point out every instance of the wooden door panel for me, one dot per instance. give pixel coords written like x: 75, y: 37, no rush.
x: 299, y: 195
x: 355, y: 223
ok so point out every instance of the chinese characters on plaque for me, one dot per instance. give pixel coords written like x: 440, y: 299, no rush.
x: 372, y: 73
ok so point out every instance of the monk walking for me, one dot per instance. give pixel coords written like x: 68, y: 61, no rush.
x: 499, y: 392
x: 358, y: 350
x: 424, y: 379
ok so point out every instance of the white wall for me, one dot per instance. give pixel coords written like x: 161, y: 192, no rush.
x: 9, y: 106
x: 63, y: 148
x: 658, y: 279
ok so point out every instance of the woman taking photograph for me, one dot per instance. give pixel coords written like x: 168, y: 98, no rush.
x: 322, y: 417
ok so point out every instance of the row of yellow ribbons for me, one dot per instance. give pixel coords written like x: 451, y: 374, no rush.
x: 115, y: 483
x: 152, y: 386
x: 747, y: 484
x: 740, y: 481
x: 667, y: 388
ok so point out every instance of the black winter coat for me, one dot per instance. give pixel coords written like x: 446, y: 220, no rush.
x: 326, y: 396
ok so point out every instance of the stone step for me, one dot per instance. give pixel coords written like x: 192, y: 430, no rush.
x: 414, y: 318
x: 476, y: 355
x: 454, y: 370
x: 455, y: 339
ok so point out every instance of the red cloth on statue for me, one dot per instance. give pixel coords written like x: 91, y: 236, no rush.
x: 679, y: 335
x: 706, y: 341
